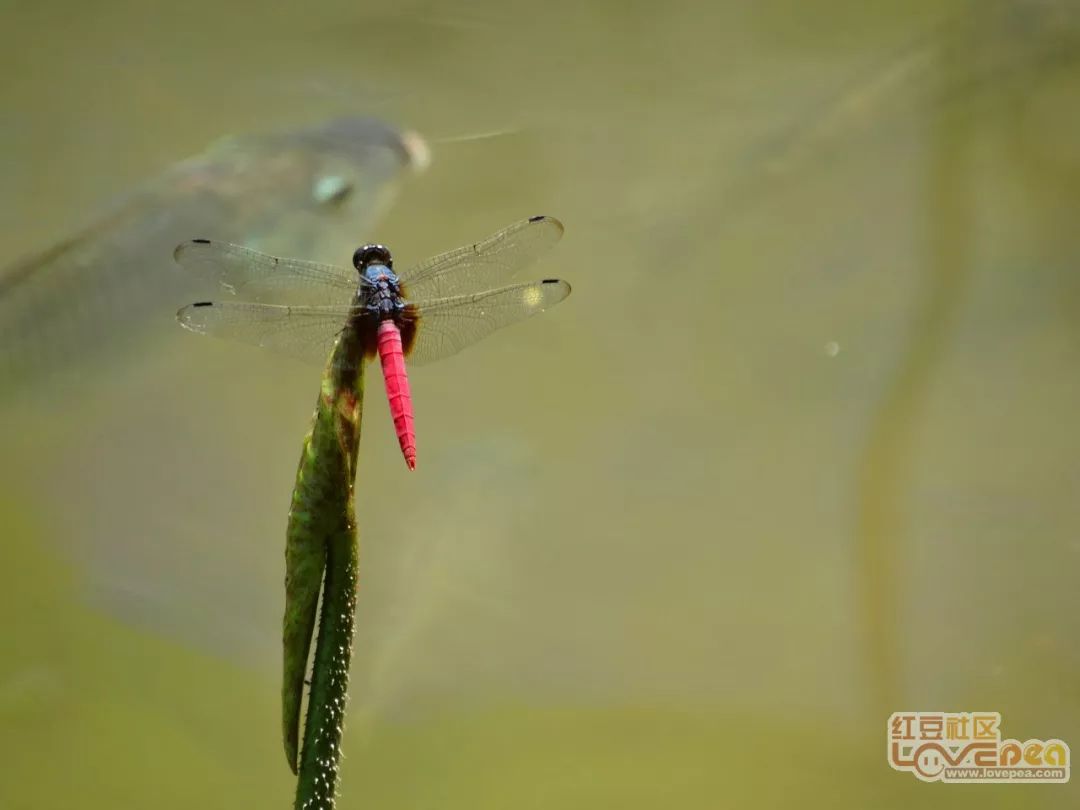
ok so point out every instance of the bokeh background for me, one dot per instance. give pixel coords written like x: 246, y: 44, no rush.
x: 798, y: 452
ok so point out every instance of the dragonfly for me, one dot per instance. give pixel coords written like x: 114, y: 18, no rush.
x: 428, y: 312
x: 327, y: 314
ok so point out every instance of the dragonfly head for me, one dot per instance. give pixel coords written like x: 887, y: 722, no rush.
x: 368, y: 255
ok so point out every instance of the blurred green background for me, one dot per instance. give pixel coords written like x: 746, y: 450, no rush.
x: 795, y: 454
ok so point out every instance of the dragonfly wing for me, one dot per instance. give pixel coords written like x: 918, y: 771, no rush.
x: 303, y: 332
x: 266, y: 279
x: 448, y: 325
x: 487, y: 263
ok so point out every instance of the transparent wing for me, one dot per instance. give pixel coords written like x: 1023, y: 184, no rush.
x: 487, y: 263
x: 448, y: 325
x: 306, y: 333
x: 267, y: 279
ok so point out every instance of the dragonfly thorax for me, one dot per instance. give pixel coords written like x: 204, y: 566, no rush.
x: 380, y: 288
x: 381, y: 276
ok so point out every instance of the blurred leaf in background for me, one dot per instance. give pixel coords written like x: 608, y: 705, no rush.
x: 308, y: 192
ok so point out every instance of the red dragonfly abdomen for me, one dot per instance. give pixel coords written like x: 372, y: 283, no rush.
x: 397, y: 388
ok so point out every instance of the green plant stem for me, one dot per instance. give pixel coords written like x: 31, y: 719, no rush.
x: 321, y: 754
x: 321, y: 545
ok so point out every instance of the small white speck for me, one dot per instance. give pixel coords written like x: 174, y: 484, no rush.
x: 832, y: 348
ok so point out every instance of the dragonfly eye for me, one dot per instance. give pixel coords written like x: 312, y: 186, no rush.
x: 372, y: 254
